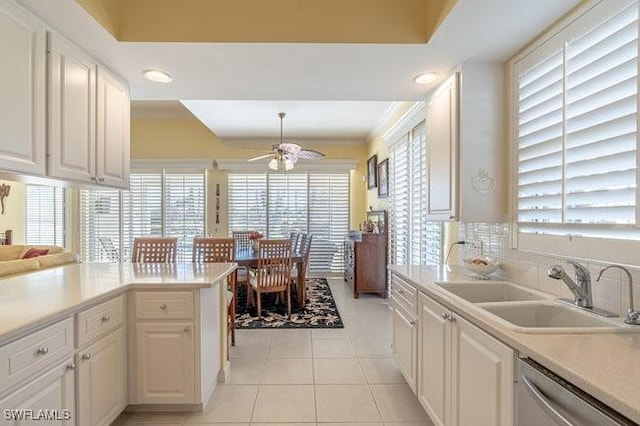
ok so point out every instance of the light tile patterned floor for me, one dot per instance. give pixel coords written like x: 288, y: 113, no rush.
x: 311, y: 377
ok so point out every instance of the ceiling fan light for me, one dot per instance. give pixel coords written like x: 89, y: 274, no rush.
x: 288, y: 165
x: 273, y: 164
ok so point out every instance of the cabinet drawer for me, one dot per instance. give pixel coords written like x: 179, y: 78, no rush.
x: 164, y: 305
x: 100, y: 320
x: 404, y: 294
x: 35, y: 352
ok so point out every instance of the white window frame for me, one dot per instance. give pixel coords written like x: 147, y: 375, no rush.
x: 66, y: 214
x: 622, y: 251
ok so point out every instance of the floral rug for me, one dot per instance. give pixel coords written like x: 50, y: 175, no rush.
x: 320, y: 310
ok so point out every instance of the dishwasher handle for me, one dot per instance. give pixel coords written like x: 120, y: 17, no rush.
x: 548, y: 405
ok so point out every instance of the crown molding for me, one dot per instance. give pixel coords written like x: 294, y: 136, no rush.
x: 414, y: 116
x: 384, y: 119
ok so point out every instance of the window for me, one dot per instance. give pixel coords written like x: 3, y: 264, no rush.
x: 45, y: 208
x: 157, y: 204
x: 413, y: 240
x: 576, y: 128
x: 277, y: 204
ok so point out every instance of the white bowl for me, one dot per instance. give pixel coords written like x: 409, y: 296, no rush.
x: 480, y: 269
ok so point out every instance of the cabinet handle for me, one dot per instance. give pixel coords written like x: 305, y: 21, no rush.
x: 163, y: 306
x: 452, y: 217
x: 42, y: 351
x: 187, y: 329
x: 400, y: 291
x: 101, y: 179
x: 412, y: 322
x: 106, y: 318
x: 451, y: 318
x: 71, y: 366
x: 86, y: 357
x: 93, y: 178
x: 445, y: 316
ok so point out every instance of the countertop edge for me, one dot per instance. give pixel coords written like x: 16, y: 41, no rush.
x: 483, y: 320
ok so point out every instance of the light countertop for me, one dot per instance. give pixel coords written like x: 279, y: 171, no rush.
x: 605, y: 365
x: 29, y: 300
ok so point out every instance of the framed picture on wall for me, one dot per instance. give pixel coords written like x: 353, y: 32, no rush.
x: 383, y: 179
x: 372, y: 165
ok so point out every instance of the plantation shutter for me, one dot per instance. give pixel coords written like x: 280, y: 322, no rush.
x: 247, y: 198
x: 100, y: 226
x: 184, y: 210
x: 577, y: 119
x: 45, y: 207
x: 328, y: 220
x: 399, y: 201
x: 288, y: 200
x: 417, y: 197
x: 141, y: 209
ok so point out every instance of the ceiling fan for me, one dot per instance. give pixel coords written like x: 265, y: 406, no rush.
x: 286, y: 154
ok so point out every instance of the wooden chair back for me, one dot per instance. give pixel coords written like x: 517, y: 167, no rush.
x: 295, y: 241
x: 154, y: 250
x: 305, y: 251
x: 242, y: 239
x: 274, y: 265
x: 207, y: 250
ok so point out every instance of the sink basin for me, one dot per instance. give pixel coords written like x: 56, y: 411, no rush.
x: 483, y: 292
x: 552, y: 318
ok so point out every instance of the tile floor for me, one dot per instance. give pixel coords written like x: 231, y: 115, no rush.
x: 309, y: 377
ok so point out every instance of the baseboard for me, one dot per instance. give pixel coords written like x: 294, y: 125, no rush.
x: 178, y: 408
x: 224, y: 372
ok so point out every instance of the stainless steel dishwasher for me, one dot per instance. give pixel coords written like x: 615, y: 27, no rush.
x: 544, y: 399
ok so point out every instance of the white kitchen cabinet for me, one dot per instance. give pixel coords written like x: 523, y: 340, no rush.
x: 465, y: 376
x: 466, y: 149
x: 52, y: 391
x: 113, y: 137
x: 102, y: 380
x: 405, y: 341
x: 72, y: 112
x: 165, y: 362
x: 23, y: 90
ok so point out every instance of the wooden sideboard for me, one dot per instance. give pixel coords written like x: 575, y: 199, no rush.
x: 365, y: 263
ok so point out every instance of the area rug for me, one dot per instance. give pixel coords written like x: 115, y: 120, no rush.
x: 320, y: 310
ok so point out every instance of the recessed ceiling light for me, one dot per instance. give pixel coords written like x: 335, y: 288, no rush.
x: 425, y: 78
x: 157, y: 75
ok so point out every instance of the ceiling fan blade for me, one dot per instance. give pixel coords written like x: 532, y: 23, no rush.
x: 260, y: 157
x: 290, y: 147
x: 310, y: 154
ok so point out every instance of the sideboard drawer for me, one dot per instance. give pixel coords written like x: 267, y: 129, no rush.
x: 164, y: 305
x: 35, y: 352
x: 100, y: 320
x: 404, y: 293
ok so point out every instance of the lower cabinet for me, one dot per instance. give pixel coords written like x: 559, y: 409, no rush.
x: 465, y: 376
x: 405, y: 344
x: 102, y: 380
x: 165, y: 362
x: 49, y: 396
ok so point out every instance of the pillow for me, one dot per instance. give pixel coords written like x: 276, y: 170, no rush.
x: 34, y: 252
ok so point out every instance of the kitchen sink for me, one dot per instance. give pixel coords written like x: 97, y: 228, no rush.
x: 497, y: 291
x: 552, y: 317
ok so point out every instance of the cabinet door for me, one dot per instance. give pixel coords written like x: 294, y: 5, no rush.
x: 72, y: 112
x: 442, y: 151
x: 102, y: 380
x: 405, y: 340
x: 112, y: 145
x: 52, y: 391
x: 482, y: 377
x: 22, y: 89
x: 434, y: 364
x: 165, y: 363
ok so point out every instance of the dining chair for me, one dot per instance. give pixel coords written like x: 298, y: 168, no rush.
x: 295, y: 241
x: 305, y: 251
x: 154, y: 250
x: 242, y: 239
x: 273, y: 274
x: 212, y: 250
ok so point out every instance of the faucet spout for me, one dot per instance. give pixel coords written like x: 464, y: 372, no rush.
x: 581, y: 287
x: 632, y: 316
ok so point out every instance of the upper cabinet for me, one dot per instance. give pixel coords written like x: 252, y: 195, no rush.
x: 466, y: 150
x: 22, y: 89
x: 88, y: 119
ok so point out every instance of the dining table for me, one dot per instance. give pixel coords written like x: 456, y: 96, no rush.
x: 249, y: 259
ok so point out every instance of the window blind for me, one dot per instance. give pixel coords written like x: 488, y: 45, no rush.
x: 100, y: 226
x: 184, y: 210
x: 399, y: 201
x: 577, y: 130
x: 45, y: 208
x: 277, y: 204
x: 141, y: 209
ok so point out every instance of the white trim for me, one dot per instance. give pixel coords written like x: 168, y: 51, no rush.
x: 301, y: 166
x: 384, y: 119
x: 414, y: 116
x: 175, y: 164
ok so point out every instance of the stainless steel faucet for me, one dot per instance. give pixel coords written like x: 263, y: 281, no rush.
x: 631, y: 316
x: 581, y: 287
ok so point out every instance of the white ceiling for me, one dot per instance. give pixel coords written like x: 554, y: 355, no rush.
x: 305, y: 119
x: 474, y: 30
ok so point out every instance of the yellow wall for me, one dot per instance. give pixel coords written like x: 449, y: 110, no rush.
x: 190, y: 139
x: 14, y: 216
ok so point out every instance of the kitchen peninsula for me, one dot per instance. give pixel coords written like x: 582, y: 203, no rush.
x: 96, y: 338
